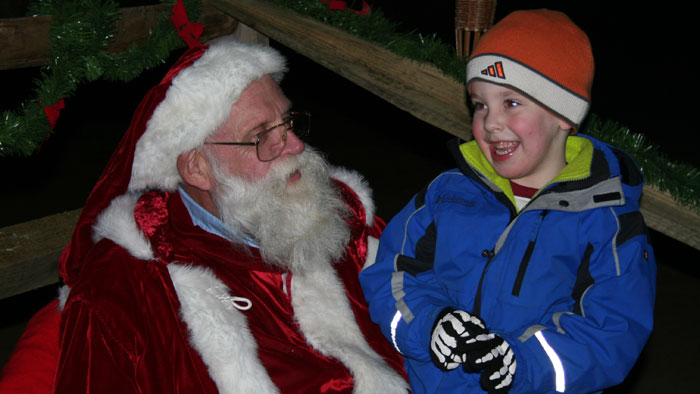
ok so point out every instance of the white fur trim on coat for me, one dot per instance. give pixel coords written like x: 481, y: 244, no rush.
x: 219, y: 332
x: 328, y: 323
x: 357, y: 183
x: 117, y: 223
x: 198, y: 101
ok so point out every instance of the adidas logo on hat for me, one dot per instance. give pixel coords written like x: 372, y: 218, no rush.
x: 495, y: 70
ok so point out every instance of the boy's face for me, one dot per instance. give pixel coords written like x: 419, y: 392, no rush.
x: 522, y: 141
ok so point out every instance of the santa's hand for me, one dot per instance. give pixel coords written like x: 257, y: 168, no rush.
x: 453, y: 332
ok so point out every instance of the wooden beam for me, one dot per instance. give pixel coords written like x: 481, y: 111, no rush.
x: 29, y: 252
x: 420, y: 89
x: 664, y: 215
x: 25, y: 41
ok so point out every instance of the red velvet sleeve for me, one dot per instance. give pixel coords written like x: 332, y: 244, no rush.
x: 91, y: 359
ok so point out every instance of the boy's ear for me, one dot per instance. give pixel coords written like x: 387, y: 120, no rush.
x: 571, y: 130
x: 194, y: 169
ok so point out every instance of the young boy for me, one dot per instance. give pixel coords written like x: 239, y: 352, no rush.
x: 528, y: 268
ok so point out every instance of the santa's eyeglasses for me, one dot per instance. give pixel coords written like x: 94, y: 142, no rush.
x: 270, y: 142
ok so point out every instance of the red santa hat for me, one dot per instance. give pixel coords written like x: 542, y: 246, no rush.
x: 193, y: 99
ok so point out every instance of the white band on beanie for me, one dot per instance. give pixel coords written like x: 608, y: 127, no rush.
x: 501, y: 70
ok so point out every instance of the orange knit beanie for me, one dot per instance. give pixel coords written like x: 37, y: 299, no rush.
x: 542, y: 54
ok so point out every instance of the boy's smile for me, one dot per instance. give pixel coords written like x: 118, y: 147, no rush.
x: 522, y: 141
x: 502, y: 150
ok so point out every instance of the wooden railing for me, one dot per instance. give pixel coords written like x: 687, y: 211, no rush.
x: 28, y: 251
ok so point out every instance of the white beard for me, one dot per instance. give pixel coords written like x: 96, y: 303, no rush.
x: 297, y: 226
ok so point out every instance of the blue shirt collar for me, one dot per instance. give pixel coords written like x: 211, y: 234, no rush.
x: 210, y: 223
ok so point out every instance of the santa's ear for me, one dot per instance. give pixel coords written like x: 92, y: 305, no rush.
x: 195, y: 170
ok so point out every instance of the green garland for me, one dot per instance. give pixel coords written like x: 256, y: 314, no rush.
x: 79, y: 35
x: 81, y: 30
x: 680, y: 180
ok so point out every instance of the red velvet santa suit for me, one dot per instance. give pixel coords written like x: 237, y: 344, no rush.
x: 158, y: 305
x: 124, y: 315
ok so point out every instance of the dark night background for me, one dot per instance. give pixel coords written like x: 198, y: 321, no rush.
x: 644, y: 79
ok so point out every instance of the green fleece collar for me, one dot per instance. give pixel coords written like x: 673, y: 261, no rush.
x: 579, y: 155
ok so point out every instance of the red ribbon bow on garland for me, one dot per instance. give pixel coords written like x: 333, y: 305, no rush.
x: 339, y: 5
x: 53, y: 111
x: 186, y: 30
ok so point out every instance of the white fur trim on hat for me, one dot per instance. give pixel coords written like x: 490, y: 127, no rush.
x: 198, y: 101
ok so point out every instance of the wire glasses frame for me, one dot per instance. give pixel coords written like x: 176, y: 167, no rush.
x: 270, y: 142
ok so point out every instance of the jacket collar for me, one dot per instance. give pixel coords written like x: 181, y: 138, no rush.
x: 579, y: 158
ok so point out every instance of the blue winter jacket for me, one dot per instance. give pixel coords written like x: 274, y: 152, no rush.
x: 569, y: 281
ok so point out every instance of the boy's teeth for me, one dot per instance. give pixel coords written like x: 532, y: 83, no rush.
x: 503, y: 148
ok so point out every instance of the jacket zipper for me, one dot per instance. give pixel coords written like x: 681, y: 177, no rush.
x: 526, y: 257
x: 490, y: 254
x: 477, y: 300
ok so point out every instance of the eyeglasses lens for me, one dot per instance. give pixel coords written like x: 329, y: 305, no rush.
x: 272, y: 141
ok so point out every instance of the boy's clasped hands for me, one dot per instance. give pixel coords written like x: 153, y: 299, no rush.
x: 460, y: 338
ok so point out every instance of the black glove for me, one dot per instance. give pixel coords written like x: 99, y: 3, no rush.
x: 453, y: 332
x: 493, y: 356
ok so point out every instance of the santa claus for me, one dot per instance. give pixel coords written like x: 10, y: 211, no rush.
x: 218, y: 252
